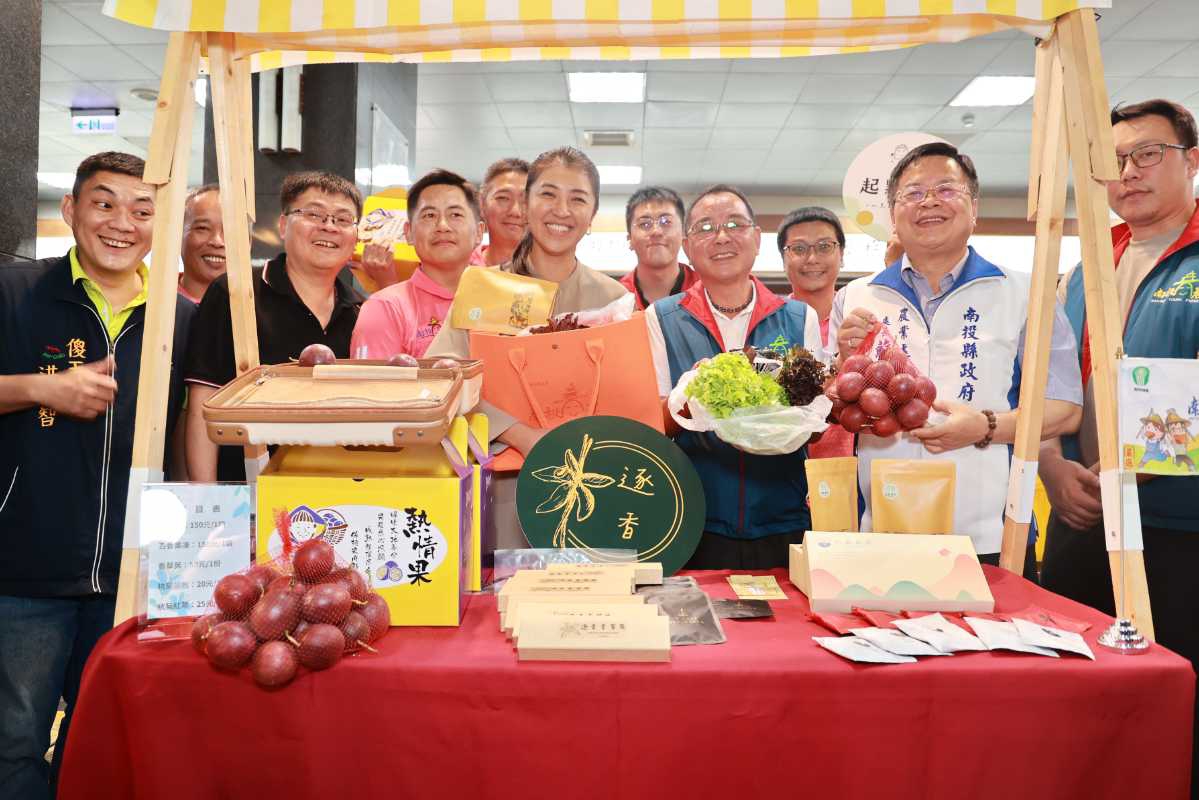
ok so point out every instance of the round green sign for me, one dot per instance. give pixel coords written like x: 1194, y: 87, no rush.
x: 611, y: 482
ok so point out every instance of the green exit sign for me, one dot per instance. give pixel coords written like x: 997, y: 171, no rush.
x: 98, y: 121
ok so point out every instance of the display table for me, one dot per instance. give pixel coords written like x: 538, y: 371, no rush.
x: 449, y: 712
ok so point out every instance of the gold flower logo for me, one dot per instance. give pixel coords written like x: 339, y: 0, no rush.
x: 572, y: 490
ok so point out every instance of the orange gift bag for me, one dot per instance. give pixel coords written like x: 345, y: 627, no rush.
x: 546, y: 379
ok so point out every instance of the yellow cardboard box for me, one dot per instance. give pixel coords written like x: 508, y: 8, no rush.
x: 401, y: 516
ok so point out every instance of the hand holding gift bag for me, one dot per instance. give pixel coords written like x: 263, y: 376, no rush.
x: 546, y: 379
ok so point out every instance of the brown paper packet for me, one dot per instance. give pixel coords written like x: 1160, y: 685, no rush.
x: 912, y: 496
x: 833, y: 493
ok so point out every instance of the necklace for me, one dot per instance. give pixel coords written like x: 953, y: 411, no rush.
x: 729, y: 312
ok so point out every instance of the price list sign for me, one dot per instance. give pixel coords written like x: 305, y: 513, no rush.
x: 192, y: 535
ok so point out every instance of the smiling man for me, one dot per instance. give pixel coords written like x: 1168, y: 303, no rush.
x: 962, y: 320
x: 71, y: 333
x: 756, y: 505
x: 1156, y: 253
x: 203, y: 251
x: 443, y: 227
x: 301, y: 297
x: 653, y: 218
x: 504, y: 208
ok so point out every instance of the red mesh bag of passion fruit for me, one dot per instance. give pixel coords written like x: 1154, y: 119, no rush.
x: 879, y: 389
x: 303, y: 609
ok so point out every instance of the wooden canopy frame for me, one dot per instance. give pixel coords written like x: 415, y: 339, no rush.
x: 1071, y: 123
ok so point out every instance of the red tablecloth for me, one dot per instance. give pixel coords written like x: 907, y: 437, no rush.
x: 451, y: 713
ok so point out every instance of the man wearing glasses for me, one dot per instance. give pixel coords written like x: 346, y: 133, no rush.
x: 756, y: 505
x: 301, y: 297
x: 812, y: 244
x: 1157, y: 258
x: 962, y: 320
x: 653, y: 218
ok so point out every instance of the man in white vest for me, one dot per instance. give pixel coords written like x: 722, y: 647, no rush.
x: 962, y: 320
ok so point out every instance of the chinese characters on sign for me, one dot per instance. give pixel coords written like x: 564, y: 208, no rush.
x: 192, y: 535
x: 966, y: 369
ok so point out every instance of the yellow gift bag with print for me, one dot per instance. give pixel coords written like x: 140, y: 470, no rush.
x: 495, y: 301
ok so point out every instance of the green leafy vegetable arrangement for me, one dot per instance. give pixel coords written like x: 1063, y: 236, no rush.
x: 728, y: 382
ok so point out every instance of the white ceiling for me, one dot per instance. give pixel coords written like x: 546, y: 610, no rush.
x: 785, y: 126
x: 92, y: 61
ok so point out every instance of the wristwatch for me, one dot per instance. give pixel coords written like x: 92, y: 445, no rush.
x: 992, y: 423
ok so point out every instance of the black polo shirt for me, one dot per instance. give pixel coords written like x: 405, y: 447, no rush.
x: 285, y: 327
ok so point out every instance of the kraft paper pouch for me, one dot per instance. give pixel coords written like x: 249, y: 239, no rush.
x: 499, y: 302
x: 912, y: 496
x: 833, y: 493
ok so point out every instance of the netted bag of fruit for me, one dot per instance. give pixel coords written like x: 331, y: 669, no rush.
x: 880, y: 389
x: 310, y: 610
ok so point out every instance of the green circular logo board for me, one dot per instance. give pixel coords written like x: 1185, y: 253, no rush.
x: 610, y: 482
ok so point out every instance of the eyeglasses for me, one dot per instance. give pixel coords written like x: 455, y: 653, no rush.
x: 647, y: 224
x: 1147, y: 155
x: 802, y: 250
x: 945, y: 192
x: 343, y: 221
x: 706, y: 228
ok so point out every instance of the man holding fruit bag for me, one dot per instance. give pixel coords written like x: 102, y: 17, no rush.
x: 962, y: 321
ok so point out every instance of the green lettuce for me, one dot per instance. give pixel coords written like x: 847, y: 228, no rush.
x: 729, y: 382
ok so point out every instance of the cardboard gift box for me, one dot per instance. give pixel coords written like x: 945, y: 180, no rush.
x: 889, y: 572
x: 403, y: 516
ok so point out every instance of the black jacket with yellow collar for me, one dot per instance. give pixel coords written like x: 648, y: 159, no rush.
x: 63, y: 481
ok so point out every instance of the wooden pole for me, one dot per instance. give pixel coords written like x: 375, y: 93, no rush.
x: 1048, y: 180
x: 231, y: 128
x: 166, y: 167
x: 1093, y: 154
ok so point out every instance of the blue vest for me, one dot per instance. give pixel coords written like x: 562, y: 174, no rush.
x: 1163, y: 322
x: 747, y: 496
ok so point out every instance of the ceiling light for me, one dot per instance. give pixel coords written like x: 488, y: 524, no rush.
x: 996, y: 90
x: 59, y: 180
x: 201, y: 91
x: 608, y: 138
x: 606, y: 87
x: 619, y: 176
x: 144, y: 94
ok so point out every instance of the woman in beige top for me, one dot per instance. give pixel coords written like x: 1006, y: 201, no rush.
x: 562, y: 196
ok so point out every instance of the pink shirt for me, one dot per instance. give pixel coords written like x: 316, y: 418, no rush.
x: 402, y: 318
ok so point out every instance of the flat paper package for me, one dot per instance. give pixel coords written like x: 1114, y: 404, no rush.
x: 889, y: 572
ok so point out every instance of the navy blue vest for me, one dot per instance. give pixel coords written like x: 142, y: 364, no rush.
x: 748, y: 496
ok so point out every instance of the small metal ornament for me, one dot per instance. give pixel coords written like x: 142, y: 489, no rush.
x: 1124, y: 638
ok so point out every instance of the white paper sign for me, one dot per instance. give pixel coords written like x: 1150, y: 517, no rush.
x: 192, y: 535
x: 864, y: 190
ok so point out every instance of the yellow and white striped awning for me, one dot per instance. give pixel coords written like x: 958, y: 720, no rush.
x: 285, y: 32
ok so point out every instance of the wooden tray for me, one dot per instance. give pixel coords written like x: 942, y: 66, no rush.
x: 346, y: 403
